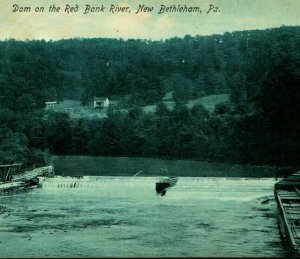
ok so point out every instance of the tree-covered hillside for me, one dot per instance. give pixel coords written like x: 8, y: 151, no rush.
x: 258, y: 68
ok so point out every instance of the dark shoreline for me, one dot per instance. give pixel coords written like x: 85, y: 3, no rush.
x: 128, y: 166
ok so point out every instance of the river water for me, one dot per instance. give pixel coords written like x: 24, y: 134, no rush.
x: 123, y: 217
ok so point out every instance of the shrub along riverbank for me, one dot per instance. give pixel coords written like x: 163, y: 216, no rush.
x: 128, y: 166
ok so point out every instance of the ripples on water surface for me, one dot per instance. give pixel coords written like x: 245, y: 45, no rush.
x: 123, y: 216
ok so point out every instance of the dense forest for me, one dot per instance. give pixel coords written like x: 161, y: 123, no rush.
x: 259, y: 69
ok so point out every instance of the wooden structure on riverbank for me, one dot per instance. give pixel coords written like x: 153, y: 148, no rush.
x: 21, y: 180
x: 47, y: 171
x: 287, y: 195
x: 7, y: 171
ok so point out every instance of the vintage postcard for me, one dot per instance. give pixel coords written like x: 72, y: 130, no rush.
x: 156, y: 128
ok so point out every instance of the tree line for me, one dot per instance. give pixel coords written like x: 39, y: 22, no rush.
x: 258, y: 68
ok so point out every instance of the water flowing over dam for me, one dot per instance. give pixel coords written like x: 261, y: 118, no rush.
x: 123, y: 216
x: 210, y: 187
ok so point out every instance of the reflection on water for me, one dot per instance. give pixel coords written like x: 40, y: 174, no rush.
x: 123, y: 216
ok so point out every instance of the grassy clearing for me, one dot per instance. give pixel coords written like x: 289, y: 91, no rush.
x: 208, y: 102
x: 76, y: 110
x: 125, y: 166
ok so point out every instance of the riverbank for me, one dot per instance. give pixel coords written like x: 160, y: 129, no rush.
x: 24, y: 180
x: 128, y: 166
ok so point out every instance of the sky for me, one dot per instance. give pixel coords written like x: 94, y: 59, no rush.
x: 231, y: 15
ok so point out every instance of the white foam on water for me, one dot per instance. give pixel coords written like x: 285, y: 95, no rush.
x: 124, y: 217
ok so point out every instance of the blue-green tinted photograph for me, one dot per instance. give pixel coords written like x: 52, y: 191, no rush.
x: 149, y: 128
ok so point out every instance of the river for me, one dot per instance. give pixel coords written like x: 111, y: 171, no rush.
x: 123, y: 217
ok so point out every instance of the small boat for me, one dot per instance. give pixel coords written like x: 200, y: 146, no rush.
x: 165, y: 184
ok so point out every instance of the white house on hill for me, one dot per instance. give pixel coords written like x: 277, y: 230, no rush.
x: 50, y: 104
x: 101, y: 102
